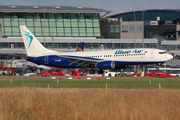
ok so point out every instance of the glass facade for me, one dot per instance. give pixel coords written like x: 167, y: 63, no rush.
x: 54, y: 24
x: 126, y: 28
x: 171, y: 47
x: 151, y: 15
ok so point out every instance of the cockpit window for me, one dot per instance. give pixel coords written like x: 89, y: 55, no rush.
x: 162, y: 52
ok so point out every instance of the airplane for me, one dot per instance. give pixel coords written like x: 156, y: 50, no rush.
x: 104, y: 59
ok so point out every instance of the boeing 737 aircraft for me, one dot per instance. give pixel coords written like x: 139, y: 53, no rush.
x: 104, y: 59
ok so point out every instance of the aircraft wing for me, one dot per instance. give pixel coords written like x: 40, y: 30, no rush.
x: 84, y: 61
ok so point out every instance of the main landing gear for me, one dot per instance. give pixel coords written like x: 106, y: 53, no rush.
x: 100, y: 71
x: 92, y: 71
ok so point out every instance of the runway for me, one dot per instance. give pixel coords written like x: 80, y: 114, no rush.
x: 60, y: 77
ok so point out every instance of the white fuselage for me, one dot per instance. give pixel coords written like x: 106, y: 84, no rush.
x: 128, y: 55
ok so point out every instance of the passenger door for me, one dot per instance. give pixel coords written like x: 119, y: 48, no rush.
x: 152, y: 54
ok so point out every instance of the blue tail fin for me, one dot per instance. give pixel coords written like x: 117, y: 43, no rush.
x: 80, y: 47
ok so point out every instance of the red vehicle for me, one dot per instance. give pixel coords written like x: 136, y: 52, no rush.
x: 62, y: 73
x: 76, y: 73
x: 2, y: 67
x: 163, y: 72
x: 11, y: 71
x: 56, y: 72
x: 44, y: 74
x: 137, y: 75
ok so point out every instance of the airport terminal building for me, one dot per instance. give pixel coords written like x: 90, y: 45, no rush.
x: 162, y: 23
x: 63, y: 28
x: 50, y: 21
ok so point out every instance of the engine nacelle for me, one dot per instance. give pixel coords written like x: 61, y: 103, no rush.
x: 106, y: 65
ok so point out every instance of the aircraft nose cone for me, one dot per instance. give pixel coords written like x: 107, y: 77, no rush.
x: 170, y: 56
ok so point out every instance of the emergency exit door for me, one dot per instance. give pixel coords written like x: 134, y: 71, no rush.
x: 152, y: 54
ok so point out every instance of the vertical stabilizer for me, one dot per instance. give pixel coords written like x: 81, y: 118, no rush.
x: 80, y: 47
x: 32, y: 45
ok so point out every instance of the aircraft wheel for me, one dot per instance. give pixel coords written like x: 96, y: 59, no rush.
x: 100, y: 71
x: 92, y: 71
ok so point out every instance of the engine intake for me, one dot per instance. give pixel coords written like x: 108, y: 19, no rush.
x: 106, y: 65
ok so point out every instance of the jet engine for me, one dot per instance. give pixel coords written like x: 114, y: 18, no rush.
x: 106, y: 65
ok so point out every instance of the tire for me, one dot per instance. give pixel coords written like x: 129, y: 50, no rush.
x: 177, y: 75
x: 92, y: 72
x: 100, y: 71
x: 109, y: 75
x: 158, y: 76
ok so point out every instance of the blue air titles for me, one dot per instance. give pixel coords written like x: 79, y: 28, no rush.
x: 137, y: 51
x: 122, y: 52
x: 128, y: 52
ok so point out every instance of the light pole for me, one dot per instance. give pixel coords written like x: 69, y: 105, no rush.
x: 134, y: 26
x: 134, y: 32
x: 44, y: 26
x: 52, y: 30
x: 143, y: 27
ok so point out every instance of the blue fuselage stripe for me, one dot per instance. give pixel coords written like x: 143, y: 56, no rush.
x: 64, y: 63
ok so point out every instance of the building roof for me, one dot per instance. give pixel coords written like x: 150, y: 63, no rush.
x: 149, y: 10
x: 49, y: 9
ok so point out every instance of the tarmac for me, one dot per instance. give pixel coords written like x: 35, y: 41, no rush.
x: 61, y: 77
